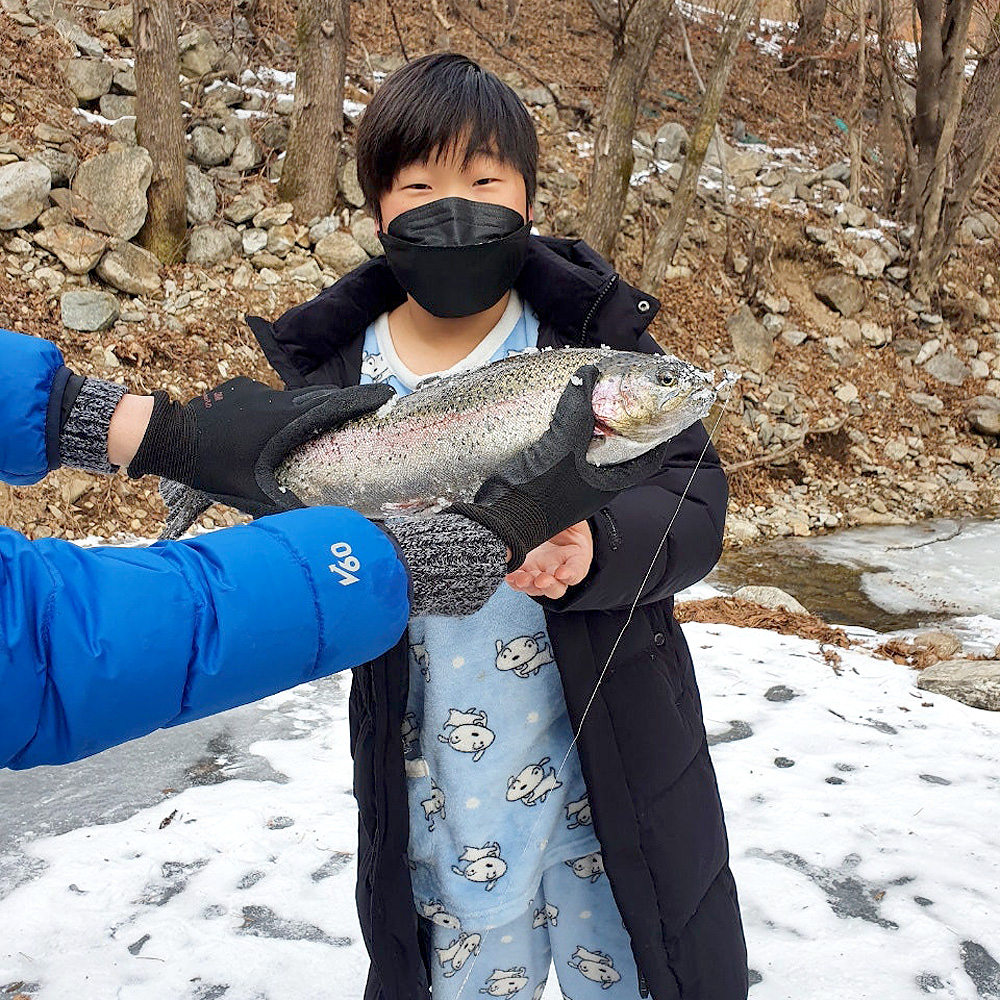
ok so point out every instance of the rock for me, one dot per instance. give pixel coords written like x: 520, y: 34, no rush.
x: 716, y: 148
x: 75, y: 35
x: 340, y: 252
x: 118, y: 21
x: 281, y: 239
x: 365, y: 232
x: 274, y: 134
x: 247, y: 155
x: 77, y: 248
x: 793, y: 338
x: 254, y: 240
x: 123, y: 131
x: 983, y: 414
x: 115, y: 106
x: 752, y: 344
x: 208, y: 245
x: 348, y: 184
x: 973, y: 682
x: 770, y: 597
x: 931, y: 403
x: 210, y: 148
x: 130, y: 269
x: 245, y: 206
x: 199, y: 54
x: 24, y: 190
x: 115, y: 184
x: 840, y: 292
x: 840, y: 171
x: 275, y: 215
x: 876, y: 260
x: 875, y: 335
x: 47, y: 133
x: 88, y: 309
x: 53, y: 217
x: 202, y: 201
x: 308, y: 272
x: 62, y: 166
x: 671, y: 142
x: 819, y: 234
x: 88, y: 79
x: 946, y: 367
x: 853, y: 215
x: 847, y: 393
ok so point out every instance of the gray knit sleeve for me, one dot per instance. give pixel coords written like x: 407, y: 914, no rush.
x: 455, y: 564
x: 83, y: 440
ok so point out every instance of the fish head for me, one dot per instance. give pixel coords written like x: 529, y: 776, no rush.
x: 642, y: 400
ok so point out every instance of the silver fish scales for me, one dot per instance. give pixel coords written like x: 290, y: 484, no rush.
x: 442, y: 441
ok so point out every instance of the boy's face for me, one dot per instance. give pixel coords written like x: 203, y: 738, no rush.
x: 484, y: 178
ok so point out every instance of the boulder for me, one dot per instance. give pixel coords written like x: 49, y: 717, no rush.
x: 671, y: 142
x: 130, y: 269
x: 983, y: 414
x: 202, y: 202
x: 75, y: 35
x: 973, y: 682
x: 88, y: 79
x: 88, y: 309
x: 254, y: 240
x: 281, y: 239
x: 841, y: 292
x: 947, y: 367
x: 247, y: 155
x: 752, y: 344
x: 340, y: 252
x: 199, y: 53
x: 770, y: 597
x: 274, y: 215
x: 62, y: 166
x: 77, y: 248
x: 364, y: 230
x: 24, y: 191
x: 115, y: 106
x: 119, y: 21
x: 348, y: 184
x: 209, y: 147
x: 208, y: 245
x: 245, y: 206
x: 115, y: 184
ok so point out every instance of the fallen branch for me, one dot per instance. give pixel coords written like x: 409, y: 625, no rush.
x: 790, y: 449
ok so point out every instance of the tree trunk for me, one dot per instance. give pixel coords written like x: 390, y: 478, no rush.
x: 635, y: 40
x: 159, y: 126
x: 808, y: 39
x: 669, y: 235
x: 856, y: 116
x: 309, y: 172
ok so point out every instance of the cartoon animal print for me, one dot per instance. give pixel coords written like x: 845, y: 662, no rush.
x: 482, y: 864
x: 578, y: 813
x: 589, y: 866
x: 505, y: 982
x: 418, y: 651
x: 532, y: 784
x: 435, y: 912
x: 595, y: 966
x: 458, y: 953
x: 547, y: 915
x: 374, y: 367
x: 411, y: 735
x: 434, y: 805
x: 470, y: 732
x: 525, y: 655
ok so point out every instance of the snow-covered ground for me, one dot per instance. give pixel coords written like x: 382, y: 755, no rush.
x: 217, y: 860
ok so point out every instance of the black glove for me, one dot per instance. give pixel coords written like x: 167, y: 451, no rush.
x: 229, y: 441
x: 551, y: 485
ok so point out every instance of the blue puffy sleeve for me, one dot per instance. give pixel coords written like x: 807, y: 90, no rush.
x: 99, y: 646
x: 32, y: 376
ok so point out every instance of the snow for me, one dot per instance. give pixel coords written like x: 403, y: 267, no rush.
x: 864, y: 819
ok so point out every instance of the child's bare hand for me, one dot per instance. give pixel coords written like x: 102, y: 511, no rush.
x: 554, y: 566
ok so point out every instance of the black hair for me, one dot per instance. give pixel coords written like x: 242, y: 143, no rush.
x: 431, y: 105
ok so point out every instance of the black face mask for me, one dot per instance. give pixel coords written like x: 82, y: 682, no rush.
x: 456, y: 257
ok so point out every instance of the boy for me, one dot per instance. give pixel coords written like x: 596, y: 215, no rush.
x: 490, y: 840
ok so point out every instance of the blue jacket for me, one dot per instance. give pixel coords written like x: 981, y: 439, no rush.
x: 101, y: 645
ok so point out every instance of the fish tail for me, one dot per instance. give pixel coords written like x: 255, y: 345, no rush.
x: 184, y: 506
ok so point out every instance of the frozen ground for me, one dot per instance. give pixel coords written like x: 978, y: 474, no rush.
x: 864, y: 817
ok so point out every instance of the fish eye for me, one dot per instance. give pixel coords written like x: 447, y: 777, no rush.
x: 665, y: 379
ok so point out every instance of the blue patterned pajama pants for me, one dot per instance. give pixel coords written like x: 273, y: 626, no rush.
x: 572, y: 921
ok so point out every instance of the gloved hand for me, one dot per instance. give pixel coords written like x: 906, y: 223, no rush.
x: 551, y: 485
x: 229, y: 441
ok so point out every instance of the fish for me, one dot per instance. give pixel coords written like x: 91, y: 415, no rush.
x: 438, y: 444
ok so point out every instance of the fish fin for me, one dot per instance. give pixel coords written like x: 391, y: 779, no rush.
x: 184, y: 506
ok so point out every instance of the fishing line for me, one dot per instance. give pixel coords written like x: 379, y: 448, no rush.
x: 600, y: 679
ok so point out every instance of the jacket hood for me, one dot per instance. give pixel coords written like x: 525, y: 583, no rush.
x: 567, y: 283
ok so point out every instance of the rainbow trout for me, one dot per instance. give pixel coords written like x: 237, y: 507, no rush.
x: 439, y: 444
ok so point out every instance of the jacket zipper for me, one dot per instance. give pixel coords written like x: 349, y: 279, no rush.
x: 643, y: 986
x: 613, y: 533
x: 595, y: 305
